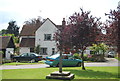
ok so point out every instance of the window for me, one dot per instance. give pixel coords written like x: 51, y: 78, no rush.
x: 43, y: 51
x: 32, y: 55
x: 24, y: 55
x: 53, y: 51
x: 47, y: 37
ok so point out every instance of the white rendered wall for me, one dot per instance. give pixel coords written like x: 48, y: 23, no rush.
x: 47, y: 28
x: 8, y: 53
x: 24, y: 50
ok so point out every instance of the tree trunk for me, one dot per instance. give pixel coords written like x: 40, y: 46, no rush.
x: 82, y: 57
x: 60, y: 62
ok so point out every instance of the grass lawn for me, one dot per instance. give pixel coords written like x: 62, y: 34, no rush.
x: 23, y: 63
x: 40, y: 73
x: 118, y: 58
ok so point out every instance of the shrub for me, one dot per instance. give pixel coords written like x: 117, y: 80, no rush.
x: 94, y: 58
x: 6, y: 61
x: 76, y: 56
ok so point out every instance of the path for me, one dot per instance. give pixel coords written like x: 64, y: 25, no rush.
x: 110, y: 62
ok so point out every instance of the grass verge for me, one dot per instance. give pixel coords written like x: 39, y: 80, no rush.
x: 118, y: 58
x: 40, y: 73
x: 23, y: 63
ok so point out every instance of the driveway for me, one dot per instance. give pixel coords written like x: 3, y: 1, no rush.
x: 110, y: 62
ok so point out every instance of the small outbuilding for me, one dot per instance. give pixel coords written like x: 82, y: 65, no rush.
x: 7, y: 46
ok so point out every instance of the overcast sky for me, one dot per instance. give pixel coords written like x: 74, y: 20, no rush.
x: 56, y: 10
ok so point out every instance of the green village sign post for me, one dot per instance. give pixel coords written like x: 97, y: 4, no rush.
x: 63, y: 75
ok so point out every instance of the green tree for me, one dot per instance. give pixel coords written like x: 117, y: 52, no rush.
x: 37, y: 49
x: 16, y: 39
x: 3, y: 31
x: 34, y: 22
x: 99, y: 48
x: 13, y: 28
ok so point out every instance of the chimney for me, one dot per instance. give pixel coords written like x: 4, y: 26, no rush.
x: 63, y: 22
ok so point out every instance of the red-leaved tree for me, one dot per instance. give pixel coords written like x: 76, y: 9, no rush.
x: 113, y: 29
x: 80, y: 33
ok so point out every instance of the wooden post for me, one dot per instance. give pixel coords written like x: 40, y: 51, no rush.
x: 60, y: 62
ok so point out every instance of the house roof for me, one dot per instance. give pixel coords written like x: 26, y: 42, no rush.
x: 27, y: 42
x: 29, y: 30
x: 6, y: 42
x: 50, y: 21
x: 59, y: 26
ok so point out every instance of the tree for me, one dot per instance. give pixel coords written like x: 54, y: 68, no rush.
x: 13, y: 28
x: 34, y: 22
x: 113, y: 28
x: 80, y: 33
x: 99, y: 51
x: 16, y: 39
x: 3, y: 31
x: 37, y: 49
x: 99, y: 47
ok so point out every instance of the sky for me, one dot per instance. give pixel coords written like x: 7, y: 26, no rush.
x: 56, y: 10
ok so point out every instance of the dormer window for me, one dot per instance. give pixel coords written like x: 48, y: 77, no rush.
x: 47, y: 37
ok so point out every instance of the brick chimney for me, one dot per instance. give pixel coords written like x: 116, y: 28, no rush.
x: 63, y: 22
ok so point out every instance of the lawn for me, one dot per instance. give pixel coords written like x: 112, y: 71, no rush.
x: 23, y: 63
x: 40, y: 73
x: 118, y: 58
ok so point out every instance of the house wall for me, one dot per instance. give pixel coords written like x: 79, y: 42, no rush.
x: 24, y: 50
x: 8, y: 53
x: 47, y: 28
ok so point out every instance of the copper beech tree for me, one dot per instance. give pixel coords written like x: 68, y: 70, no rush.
x: 113, y: 29
x: 80, y: 32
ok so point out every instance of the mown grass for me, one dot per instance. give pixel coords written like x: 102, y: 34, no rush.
x: 118, y: 58
x: 23, y: 63
x: 40, y: 73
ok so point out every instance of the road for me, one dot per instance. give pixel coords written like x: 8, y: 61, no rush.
x: 110, y: 62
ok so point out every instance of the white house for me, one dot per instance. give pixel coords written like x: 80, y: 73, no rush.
x: 44, y: 38
x: 40, y: 35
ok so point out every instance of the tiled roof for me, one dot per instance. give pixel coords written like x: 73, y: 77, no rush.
x: 59, y: 26
x: 29, y: 30
x: 6, y: 41
x: 27, y: 42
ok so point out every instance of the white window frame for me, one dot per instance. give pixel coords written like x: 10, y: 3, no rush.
x: 46, y: 37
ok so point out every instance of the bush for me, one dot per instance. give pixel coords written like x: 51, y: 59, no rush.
x: 6, y: 61
x: 87, y: 57
x: 94, y: 58
x: 76, y: 56
x: 91, y: 57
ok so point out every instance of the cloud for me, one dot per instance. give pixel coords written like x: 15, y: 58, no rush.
x: 22, y: 10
